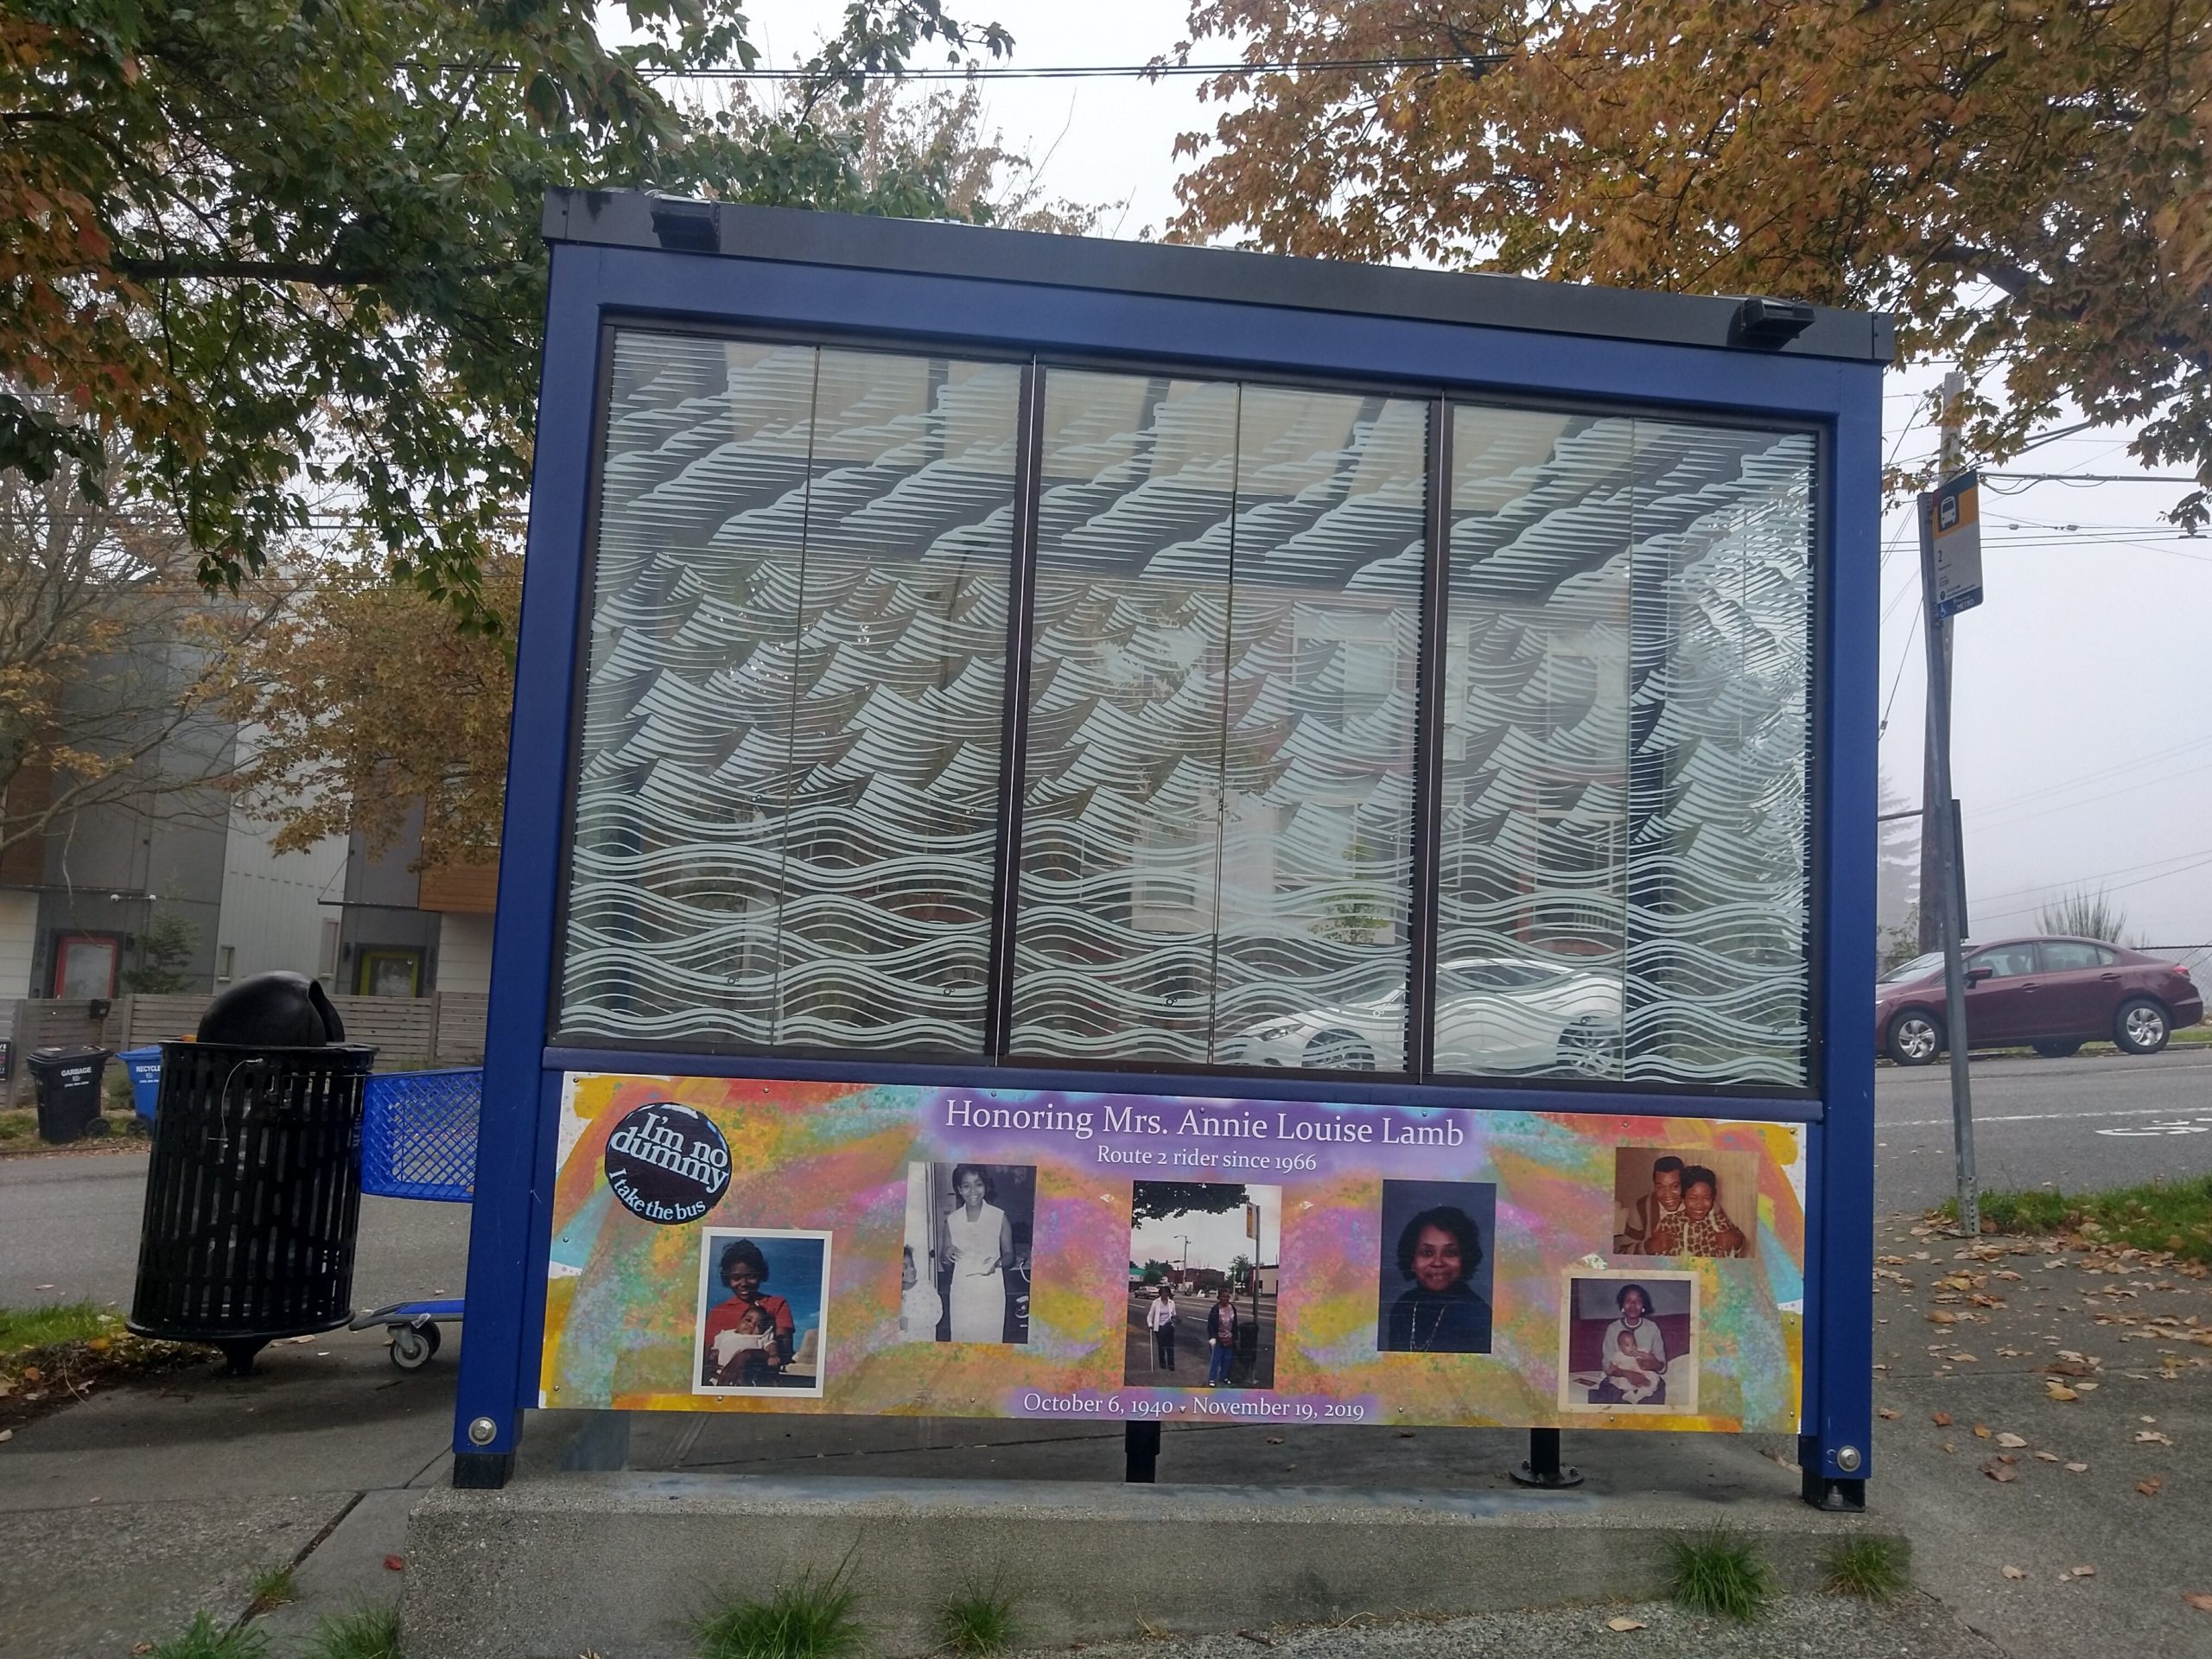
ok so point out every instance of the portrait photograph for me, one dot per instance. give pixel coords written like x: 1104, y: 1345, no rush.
x: 1627, y: 1342
x: 1206, y: 1268
x: 1674, y: 1201
x: 763, y: 1296
x: 963, y: 1272
x: 1435, y: 1275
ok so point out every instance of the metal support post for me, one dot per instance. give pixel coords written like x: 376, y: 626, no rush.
x: 1939, y: 887
x: 1541, y: 1467
x: 1140, y: 1446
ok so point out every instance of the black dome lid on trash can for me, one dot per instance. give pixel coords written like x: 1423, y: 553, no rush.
x: 274, y: 1010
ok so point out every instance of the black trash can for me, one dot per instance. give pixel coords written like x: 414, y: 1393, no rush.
x: 253, y: 1194
x: 69, y: 1083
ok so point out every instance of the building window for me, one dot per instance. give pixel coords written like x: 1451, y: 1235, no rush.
x: 789, y: 794
x: 227, y: 957
x: 328, y: 958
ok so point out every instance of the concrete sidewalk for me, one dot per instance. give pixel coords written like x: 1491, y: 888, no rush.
x: 121, y: 1516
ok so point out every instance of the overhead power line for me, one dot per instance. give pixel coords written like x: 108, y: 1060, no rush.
x: 2093, y: 477
x: 1091, y: 71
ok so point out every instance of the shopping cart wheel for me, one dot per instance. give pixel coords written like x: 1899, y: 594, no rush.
x: 412, y: 1345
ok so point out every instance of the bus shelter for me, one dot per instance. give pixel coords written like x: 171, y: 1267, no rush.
x: 1143, y: 833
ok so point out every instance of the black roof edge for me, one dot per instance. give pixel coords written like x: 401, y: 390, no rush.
x: 638, y: 218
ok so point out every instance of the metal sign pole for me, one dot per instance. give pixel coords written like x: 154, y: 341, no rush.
x: 1944, y: 892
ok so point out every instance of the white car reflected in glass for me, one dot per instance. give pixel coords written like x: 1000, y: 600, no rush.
x: 1495, y: 1015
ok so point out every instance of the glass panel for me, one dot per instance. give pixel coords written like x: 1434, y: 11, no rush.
x: 1217, y: 807
x: 788, y: 791
x: 1531, y: 900
x: 1722, y: 664
x: 1122, y: 778
x: 1325, y: 630
x: 1623, y: 838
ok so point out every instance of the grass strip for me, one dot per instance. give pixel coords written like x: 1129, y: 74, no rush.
x: 2171, y: 1216
x: 1718, y: 1571
x: 809, y: 1619
x: 368, y: 1632
x: 52, y: 1324
x: 1875, y: 1567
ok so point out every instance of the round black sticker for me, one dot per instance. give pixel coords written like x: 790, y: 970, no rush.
x: 667, y: 1163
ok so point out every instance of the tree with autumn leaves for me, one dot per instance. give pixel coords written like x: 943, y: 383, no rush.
x: 2023, y: 186
x: 261, y: 254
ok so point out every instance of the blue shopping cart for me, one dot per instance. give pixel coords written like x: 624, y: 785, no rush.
x: 418, y: 1141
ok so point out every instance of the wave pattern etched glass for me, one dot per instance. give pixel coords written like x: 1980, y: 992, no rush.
x: 788, y: 793
x: 1622, y: 891
x: 1216, y: 856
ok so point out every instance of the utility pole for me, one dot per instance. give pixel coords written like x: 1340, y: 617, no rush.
x: 1949, y: 513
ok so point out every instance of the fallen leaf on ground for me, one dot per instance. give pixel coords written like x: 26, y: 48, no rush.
x: 1888, y: 1415
x: 2200, y: 1599
x: 1940, y: 1419
x: 394, y: 1563
x: 2152, y: 1437
x: 2085, y: 1571
x: 2150, y: 1487
x: 2077, y: 1468
x: 1999, y: 1472
x: 2046, y: 1457
x: 1962, y: 1359
x: 2060, y: 1391
x: 1981, y: 1431
x: 1622, y: 1624
x: 2014, y: 1572
x: 2009, y: 1439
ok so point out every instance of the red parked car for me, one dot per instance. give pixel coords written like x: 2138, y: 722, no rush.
x: 2051, y: 995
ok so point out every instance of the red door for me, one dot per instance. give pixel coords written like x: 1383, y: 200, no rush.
x: 2001, y: 1003
x: 2081, y: 990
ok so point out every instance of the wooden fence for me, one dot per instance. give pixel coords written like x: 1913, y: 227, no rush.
x: 445, y: 1028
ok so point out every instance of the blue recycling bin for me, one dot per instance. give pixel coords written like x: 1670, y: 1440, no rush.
x: 144, y: 1066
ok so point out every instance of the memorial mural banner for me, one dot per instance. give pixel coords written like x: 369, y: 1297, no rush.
x: 887, y: 1249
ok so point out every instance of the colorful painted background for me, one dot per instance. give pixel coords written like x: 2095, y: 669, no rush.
x: 622, y: 1299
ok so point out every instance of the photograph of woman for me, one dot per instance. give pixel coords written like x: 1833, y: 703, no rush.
x: 1630, y: 1342
x: 1162, y: 1319
x: 1436, y: 1274
x: 1672, y: 1201
x: 979, y: 1246
x: 1701, y: 1227
x: 964, y: 1271
x: 752, y: 1339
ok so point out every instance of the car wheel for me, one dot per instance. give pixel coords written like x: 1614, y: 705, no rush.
x: 1915, y: 1038
x: 1340, y: 1050
x: 2055, y: 1051
x: 1587, y: 1050
x: 2141, y: 1025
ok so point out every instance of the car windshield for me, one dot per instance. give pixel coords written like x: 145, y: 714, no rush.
x: 1913, y: 969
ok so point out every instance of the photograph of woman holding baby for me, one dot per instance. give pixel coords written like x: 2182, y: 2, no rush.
x: 1630, y: 1342
x: 752, y: 1339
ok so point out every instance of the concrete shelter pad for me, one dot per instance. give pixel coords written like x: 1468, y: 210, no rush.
x: 617, y: 1563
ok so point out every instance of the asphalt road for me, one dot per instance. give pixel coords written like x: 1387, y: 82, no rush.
x: 1191, y: 1352
x: 69, y: 1231
x: 69, y: 1223
x: 2086, y: 1123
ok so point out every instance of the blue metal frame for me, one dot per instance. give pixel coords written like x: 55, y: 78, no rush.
x: 592, y: 283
